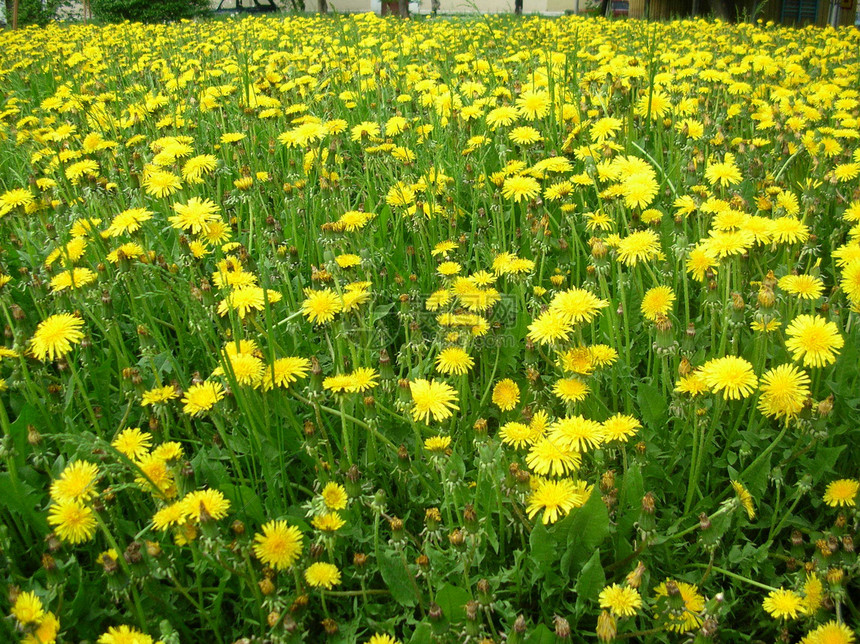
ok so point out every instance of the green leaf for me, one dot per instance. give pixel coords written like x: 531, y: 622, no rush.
x: 652, y: 405
x: 586, y: 529
x: 541, y: 635
x: 398, y: 579
x: 244, y: 502
x: 541, y: 547
x: 22, y: 499
x: 591, y: 580
x: 18, y: 429
x: 452, y: 600
x: 423, y: 633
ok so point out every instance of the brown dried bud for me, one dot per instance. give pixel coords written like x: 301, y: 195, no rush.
x: 648, y: 503
x: 562, y: 627
x: 33, y: 435
x: 456, y: 538
x: 48, y: 562
x: 520, y: 625
x: 472, y: 610
x: 434, y: 612
x: 825, y: 407
x: 330, y: 626
x: 266, y: 586
x: 237, y: 527
x: 607, y: 480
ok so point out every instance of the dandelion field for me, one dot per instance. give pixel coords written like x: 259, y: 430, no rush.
x: 354, y: 329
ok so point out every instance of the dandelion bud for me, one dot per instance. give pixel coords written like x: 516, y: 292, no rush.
x: 299, y: 603
x: 33, y: 435
x: 485, y: 593
x: 520, y: 625
x: 238, y: 528
x: 470, y: 518
x: 48, y: 563
x: 266, y: 587
x: 562, y: 627
x: 18, y: 313
x: 109, y: 564
x: 456, y: 538
x: 704, y: 522
x: 52, y: 542
x: 847, y: 543
x: 396, y: 526
x: 835, y: 576
x: 132, y: 553
x: 423, y: 562
x: 432, y: 519
x: 434, y: 612
x: 796, y: 538
x: 648, y: 503
x: 480, y: 426
x: 607, y: 481
x: 709, y: 626
x: 634, y: 577
x: 403, y: 457
x: 825, y: 407
x: 153, y: 549
x: 472, y: 610
x: 840, y: 522
x: 833, y: 543
x: 607, y: 627
x: 309, y: 429
x: 598, y: 249
x: 330, y: 626
x: 187, y: 469
x: 640, y: 448
x: 684, y: 367
x: 766, y: 298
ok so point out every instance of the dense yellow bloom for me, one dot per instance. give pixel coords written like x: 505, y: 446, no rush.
x: 72, y: 521
x: 322, y: 575
x: 56, y: 335
x: 431, y: 398
x: 321, y: 306
x: 784, y: 390
x: 279, y: 545
x: 28, y: 608
x: 77, y: 482
x: 201, y: 398
x: 556, y: 498
x: 731, y: 376
x: 454, y: 360
x: 783, y: 604
x: 622, y: 601
x: 124, y: 635
x: 813, y: 340
x: 842, y: 492
x: 657, y: 302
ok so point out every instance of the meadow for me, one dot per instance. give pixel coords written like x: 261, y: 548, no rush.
x: 492, y: 329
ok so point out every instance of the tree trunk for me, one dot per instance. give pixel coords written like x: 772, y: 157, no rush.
x: 14, y: 14
x: 323, y: 6
x: 403, y: 8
